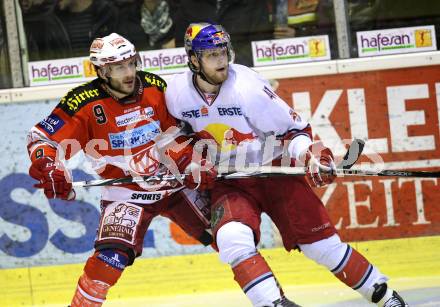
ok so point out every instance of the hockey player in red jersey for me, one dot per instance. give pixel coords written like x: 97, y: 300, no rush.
x: 116, y: 119
x: 235, y: 108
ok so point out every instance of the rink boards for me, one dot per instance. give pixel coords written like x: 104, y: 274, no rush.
x: 393, y: 102
x: 172, y: 276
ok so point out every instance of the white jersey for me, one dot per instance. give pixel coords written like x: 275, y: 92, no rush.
x: 240, y: 119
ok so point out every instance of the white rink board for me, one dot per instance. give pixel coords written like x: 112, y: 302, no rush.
x: 36, y: 232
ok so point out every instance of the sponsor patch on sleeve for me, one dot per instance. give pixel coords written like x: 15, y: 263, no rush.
x: 51, y: 124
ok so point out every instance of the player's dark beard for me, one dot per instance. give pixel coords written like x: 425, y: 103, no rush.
x: 118, y: 87
x: 128, y: 98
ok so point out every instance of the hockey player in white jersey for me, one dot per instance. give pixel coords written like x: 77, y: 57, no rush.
x: 232, y: 106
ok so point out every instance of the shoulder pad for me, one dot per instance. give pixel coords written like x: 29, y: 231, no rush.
x: 149, y: 80
x: 80, y: 96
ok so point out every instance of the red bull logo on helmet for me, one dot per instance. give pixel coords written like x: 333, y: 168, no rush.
x: 219, y: 36
x: 194, y: 30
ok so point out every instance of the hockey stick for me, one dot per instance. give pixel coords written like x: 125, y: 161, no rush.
x: 350, y: 158
x: 124, y: 180
x: 266, y: 171
x: 343, y: 169
x: 394, y: 173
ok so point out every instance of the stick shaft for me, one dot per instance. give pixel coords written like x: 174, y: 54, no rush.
x: 350, y: 158
x: 126, y: 180
x: 266, y: 171
x: 397, y: 173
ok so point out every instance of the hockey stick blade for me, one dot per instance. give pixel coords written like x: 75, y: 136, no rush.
x: 352, y: 155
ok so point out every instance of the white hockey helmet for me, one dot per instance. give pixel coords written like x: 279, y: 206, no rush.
x: 111, y: 49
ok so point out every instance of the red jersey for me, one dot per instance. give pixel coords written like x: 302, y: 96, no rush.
x: 117, y: 134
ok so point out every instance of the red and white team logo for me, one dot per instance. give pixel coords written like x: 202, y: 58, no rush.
x: 145, y: 162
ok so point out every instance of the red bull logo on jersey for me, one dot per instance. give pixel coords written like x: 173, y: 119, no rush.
x: 235, y: 137
x: 226, y: 137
